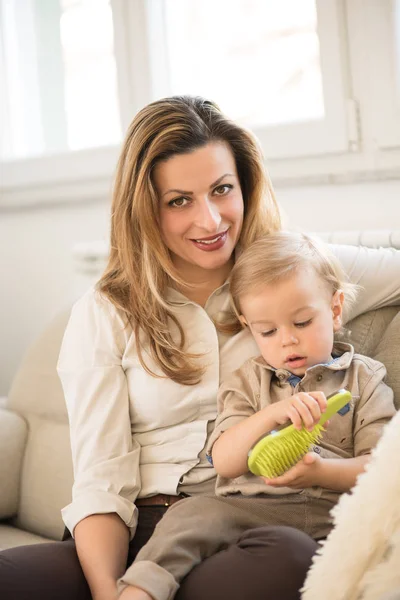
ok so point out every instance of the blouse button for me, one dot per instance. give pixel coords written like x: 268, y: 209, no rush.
x: 319, y: 377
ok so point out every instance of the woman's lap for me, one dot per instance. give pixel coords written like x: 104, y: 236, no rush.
x: 268, y: 562
x: 42, y: 572
x: 52, y: 571
x: 265, y: 564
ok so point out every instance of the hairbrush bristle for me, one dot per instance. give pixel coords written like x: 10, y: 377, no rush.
x: 282, y: 453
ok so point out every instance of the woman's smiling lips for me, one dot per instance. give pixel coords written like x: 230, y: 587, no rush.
x: 211, y: 243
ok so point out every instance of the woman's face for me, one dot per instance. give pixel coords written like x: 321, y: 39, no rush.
x: 201, y: 207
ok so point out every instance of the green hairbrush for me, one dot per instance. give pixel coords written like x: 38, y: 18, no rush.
x: 280, y: 450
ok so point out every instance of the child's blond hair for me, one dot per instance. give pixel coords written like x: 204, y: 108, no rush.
x: 277, y: 256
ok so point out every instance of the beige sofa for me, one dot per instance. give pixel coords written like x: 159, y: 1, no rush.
x: 35, y: 468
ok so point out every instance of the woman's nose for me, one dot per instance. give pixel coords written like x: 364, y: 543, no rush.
x: 208, y: 217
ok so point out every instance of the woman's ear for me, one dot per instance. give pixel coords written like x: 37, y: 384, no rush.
x: 337, y: 309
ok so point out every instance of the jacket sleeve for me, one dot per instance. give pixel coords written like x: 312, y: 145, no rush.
x: 235, y: 401
x: 373, y: 411
x: 376, y: 271
x: 104, y: 456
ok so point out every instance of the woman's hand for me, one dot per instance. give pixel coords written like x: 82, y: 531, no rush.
x: 302, y: 409
x: 106, y: 592
x: 304, y: 474
x: 134, y: 593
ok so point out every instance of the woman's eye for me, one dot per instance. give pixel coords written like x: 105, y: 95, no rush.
x: 178, y: 202
x: 268, y: 333
x: 221, y: 190
x: 303, y: 323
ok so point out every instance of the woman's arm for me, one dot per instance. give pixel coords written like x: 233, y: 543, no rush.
x: 105, y: 457
x: 102, y: 546
x: 376, y: 271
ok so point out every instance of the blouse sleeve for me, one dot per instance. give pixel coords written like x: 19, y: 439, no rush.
x: 104, y: 456
x: 376, y: 271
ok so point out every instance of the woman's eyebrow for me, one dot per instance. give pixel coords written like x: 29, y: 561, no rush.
x: 185, y: 192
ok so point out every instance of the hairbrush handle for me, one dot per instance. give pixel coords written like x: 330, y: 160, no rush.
x: 335, y: 402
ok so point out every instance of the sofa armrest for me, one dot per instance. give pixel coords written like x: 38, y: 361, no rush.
x: 13, y: 436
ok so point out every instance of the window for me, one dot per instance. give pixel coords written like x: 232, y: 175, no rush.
x: 318, y: 81
x: 59, y: 77
x: 384, y: 73
x: 236, y: 51
x: 261, y: 61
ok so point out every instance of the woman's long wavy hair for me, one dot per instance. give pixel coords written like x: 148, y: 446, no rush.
x: 140, y: 267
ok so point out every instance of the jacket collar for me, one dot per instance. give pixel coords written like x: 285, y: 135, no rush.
x: 342, y: 355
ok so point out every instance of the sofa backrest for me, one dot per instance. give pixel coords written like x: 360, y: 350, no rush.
x: 36, y: 394
x: 46, y: 474
x: 377, y: 334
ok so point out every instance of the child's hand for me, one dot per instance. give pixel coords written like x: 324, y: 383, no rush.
x: 304, y: 474
x: 302, y: 409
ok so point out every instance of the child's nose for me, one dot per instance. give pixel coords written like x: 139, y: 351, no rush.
x: 288, y: 337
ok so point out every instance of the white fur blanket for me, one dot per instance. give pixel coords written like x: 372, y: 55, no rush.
x: 360, y: 559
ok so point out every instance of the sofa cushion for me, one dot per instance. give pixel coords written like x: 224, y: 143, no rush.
x: 46, y: 474
x: 46, y: 479
x: 377, y: 334
x: 36, y: 389
x: 10, y: 537
x: 13, y: 434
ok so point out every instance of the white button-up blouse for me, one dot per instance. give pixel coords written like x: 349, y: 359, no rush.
x: 133, y: 434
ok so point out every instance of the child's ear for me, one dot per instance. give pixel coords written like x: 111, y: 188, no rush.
x: 243, y: 320
x: 337, y: 309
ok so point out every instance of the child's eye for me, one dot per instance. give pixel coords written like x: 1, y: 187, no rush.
x: 178, y: 202
x: 268, y: 333
x: 303, y: 323
x: 221, y: 190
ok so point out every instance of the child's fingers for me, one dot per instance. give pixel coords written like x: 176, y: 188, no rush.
x: 308, y: 409
x: 321, y: 399
x: 313, y: 406
x: 310, y: 458
x: 295, y: 417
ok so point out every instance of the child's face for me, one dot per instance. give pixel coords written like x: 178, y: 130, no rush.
x: 293, y: 321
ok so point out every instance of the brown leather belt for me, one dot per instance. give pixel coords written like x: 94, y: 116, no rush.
x: 159, y: 500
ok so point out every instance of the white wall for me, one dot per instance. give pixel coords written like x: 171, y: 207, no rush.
x: 373, y: 205
x: 37, y: 274
x: 37, y: 270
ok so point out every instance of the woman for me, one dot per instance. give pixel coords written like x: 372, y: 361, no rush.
x: 144, y: 354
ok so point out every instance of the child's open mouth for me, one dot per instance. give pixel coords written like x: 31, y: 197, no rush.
x: 295, y: 361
